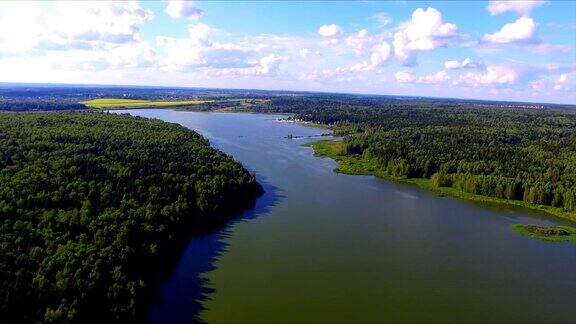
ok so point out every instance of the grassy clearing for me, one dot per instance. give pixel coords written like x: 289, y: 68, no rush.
x: 103, y: 103
x: 547, y: 233
x: 355, y: 164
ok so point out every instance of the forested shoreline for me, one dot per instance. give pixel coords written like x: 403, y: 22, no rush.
x: 526, y: 155
x: 90, y: 204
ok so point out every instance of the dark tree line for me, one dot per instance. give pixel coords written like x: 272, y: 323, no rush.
x: 90, y: 202
x: 38, y: 105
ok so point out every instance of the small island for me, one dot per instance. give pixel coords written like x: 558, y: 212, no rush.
x: 560, y: 233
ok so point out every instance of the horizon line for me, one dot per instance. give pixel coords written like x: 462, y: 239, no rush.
x: 2, y: 83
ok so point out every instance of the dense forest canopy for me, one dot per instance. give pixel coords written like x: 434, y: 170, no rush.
x: 89, y: 202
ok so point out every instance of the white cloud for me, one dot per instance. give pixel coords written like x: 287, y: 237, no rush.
x: 20, y: 25
x: 560, y: 82
x: 380, y: 54
x: 130, y: 55
x: 424, y: 32
x: 197, y: 50
x: 466, y: 63
x: 304, y: 52
x: 267, y: 65
x: 183, y: 9
x: 436, y: 78
x: 113, y: 22
x: 452, y: 65
x: 521, y: 7
x: 407, y: 76
x: 359, y: 42
x: 522, y: 30
x: 494, y: 74
x: 330, y: 30
x: 71, y: 25
x: 404, y: 76
x: 199, y: 53
x: 199, y: 33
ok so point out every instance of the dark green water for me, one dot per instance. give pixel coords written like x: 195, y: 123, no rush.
x: 327, y: 247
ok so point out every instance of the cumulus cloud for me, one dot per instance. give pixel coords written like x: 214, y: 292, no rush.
x: 424, y: 32
x: 380, y: 54
x: 199, y: 34
x: 269, y: 64
x: 92, y: 24
x: 330, y: 30
x: 359, y: 42
x: 183, y: 9
x: 466, y: 63
x: 304, y: 52
x: 521, y: 7
x: 522, y: 30
x: 73, y: 25
x: 76, y: 35
x: 197, y: 50
x: 493, y: 75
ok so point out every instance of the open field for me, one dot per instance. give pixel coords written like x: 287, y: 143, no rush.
x: 135, y: 103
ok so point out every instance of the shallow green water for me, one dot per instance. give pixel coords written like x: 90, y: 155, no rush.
x: 327, y: 247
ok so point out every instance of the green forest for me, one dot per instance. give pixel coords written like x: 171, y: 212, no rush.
x: 527, y: 155
x: 90, y: 201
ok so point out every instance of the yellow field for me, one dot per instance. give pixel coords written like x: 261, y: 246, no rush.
x: 134, y: 103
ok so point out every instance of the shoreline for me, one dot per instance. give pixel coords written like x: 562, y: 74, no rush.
x: 356, y: 166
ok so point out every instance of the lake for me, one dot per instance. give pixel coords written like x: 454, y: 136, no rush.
x: 325, y: 247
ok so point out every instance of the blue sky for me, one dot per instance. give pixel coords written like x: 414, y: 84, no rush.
x: 502, y: 50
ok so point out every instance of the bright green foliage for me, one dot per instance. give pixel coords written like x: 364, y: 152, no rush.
x: 89, y: 202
